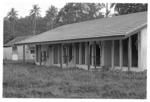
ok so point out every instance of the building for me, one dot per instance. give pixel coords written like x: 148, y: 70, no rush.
x: 15, y: 52
x: 119, y: 42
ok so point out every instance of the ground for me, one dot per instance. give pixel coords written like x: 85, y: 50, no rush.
x: 29, y: 80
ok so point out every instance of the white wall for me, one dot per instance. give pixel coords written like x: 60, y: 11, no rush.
x: 144, y: 48
x: 7, y: 53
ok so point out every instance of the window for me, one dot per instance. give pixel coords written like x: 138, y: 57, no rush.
x: 14, y: 48
x: 32, y: 51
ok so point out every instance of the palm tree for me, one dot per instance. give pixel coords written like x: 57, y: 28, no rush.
x: 12, y: 16
x: 34, y: 13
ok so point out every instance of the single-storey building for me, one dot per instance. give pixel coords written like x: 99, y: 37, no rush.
x: 15, y: 52
x: 119, y: 42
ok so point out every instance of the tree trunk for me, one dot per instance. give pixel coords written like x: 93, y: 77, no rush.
x: 34, y: 26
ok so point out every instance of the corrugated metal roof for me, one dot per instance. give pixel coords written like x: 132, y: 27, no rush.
x: 104, y: 27
x: 15, y: 40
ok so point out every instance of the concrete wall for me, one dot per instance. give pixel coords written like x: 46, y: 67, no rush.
x: 7, y: 53
x: 143, y: 36
x: 107, y: 53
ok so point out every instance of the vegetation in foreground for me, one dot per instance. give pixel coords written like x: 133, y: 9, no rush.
x: 30, y: 81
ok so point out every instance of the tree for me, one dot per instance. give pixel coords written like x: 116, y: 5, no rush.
x: 12, y: 17
x: 127, y: 8
x: 34, y: 13
x: 50, y: 17
x: 77, y: 12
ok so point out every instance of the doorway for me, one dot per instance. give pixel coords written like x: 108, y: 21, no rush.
x: 67, y: 53
x: 98, y: 55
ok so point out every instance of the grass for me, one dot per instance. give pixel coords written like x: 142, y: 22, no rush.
x: 31, y: 81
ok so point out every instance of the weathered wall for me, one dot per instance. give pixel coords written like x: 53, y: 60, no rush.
x: 28, y: 55
x: 144, y: 48
x: 107, y: 53
x: 49, y: 60
x: 7, y: 53
x: 20, y: 52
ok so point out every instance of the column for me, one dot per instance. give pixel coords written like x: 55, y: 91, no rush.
x: 74, y: 53
x: 139, y: 50
x: 52, y: 54
x: 92, y: 54
x: 40, y: 54
x: 112, y: 54
x: 120, y: 53
x: 23, y: 53
x: 61, y: 55
x: 129, y: 53
x: 80, y: 53
x: 102, y: 53
x: 94, y: 57
x: 88, y: 54
x: 36, y: 53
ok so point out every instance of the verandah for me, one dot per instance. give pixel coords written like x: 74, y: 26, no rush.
x: 92, y: 54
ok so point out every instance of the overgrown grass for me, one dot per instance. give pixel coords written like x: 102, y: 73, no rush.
x: 28, y: 80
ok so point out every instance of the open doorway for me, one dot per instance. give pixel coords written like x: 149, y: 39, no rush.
x: 97, y: 55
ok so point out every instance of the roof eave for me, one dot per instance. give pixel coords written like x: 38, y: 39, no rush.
x: 135, y: 30
x: 76, y: 40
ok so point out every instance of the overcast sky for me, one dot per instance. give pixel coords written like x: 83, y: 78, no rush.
x: 24, y: 6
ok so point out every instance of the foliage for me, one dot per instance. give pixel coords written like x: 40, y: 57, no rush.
x: 77, y: 12
x: 50, y: 17
x: 127, y: 8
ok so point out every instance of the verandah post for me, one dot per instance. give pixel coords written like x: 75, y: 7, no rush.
x: 120, y: 53
x: 80, y: 53
x: 89, y: 57
x: 74, y: 54
x: 23, y: 53
x: 40, y: 54
x: 129, y: 53
x: 139, y: 49
x: 102, y: 53
x: 112, y: 55
x: 94, y: 54
x: 61, y: 55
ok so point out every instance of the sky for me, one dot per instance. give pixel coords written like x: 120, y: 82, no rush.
x: 24, y: 6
